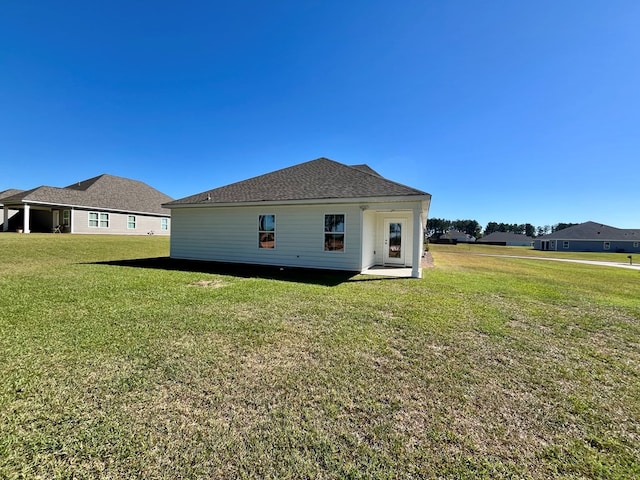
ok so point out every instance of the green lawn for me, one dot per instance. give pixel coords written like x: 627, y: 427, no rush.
x: 487, y: 367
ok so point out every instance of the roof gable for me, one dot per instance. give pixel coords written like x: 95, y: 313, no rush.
x: 313, y: 180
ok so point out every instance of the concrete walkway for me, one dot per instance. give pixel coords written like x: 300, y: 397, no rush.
x: 635, y: 266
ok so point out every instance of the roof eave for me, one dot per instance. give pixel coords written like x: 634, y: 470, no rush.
x: 316, y: 201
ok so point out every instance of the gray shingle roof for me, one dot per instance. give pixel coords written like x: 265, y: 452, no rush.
x: 505, y: 237
x: 594, y: 231
x: 106, y: 192
x: 9, y: 193
x: 313, y: 180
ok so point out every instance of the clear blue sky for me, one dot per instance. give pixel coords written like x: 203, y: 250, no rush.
x: 507, y: 111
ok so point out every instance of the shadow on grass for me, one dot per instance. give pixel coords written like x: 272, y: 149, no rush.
x: 329, y: 278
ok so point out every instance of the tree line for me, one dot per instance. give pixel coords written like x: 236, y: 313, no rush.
x: 440, y: 226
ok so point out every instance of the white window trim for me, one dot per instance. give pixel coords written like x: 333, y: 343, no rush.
x: 164, y: 224
x: 344, y: 234
x: 606, y: 245
x: 99, y: 214
x: 134, y: 221
x: 275, y: 229
x: 565, y: 244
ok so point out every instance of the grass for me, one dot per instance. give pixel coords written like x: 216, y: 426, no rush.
x: 488, y: 367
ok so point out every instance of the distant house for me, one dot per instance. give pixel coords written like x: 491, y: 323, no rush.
x: 591, y: 237
x: 508, y: 239
x: 104, y: 204
x: 318, y: 214
x: 8, y: 213
x: 457, y: 236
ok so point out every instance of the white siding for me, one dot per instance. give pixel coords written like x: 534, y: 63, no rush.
x: 230, y: 234
x: 145, y: 224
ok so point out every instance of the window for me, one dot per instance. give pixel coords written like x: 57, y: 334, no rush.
x: 66, y: 217
x: 131, y: 221
x: 635, y: 244
x: 334, y: 233
x: 565, y: 244
x: 266, y: 231
x: 164, y: 224
x: 98, y: 219
x: 606, y: 246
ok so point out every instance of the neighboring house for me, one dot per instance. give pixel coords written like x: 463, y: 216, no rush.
x: 591, y: 237
x: 508, y: 239
x: 103, y: 204
x: 318, y: 214
x: 7, y: 214
x: 457, y: 236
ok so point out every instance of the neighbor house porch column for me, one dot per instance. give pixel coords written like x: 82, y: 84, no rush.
x: 26, y: 218
x: 5, y: 225
x: 418, y: 239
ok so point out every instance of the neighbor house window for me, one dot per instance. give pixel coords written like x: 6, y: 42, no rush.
x: 100, y: 220
x: 131, y: 221
x: 334, y: 233
x: 266, y: 231
x: 565, y: 244
x: 66, y: 217
x: 607, y: 245
x: 164, y: 224
x: 635, y: 244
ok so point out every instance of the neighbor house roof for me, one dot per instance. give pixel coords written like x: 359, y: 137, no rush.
x: 107, y: 192
x: 506, y: 237
x: 313, y: 180
x: 8, y: 193
x: 457, y: 235
x: 593, y: 230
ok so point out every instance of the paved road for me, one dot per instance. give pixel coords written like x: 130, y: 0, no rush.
x: 635, y: 266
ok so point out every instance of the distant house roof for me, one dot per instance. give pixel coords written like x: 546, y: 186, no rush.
x: 8, y: 193
x: 505, y: 237
x: 313, y: 180
x: 457, y: 235
x: 106, y: 192
x: 593, y: 230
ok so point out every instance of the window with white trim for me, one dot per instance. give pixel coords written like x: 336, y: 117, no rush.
x: 334, y: 232
x: 635, y: 244
x: 66, y: 217
x: 98, y: 220
x: 131, y: 221
x: 565, y: 244
x: 267, y: 231
x: 606, y: 246
x: 164, y: 224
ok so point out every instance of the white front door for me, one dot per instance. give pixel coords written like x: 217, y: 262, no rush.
x: 393, y: 242
x: 56, y: 218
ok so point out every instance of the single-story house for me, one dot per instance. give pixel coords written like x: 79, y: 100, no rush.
x: 7, y: 214
x: 457, y: 236
x: 317, y: 214
x: 102, y: 204
x: 591, y: 237
x: 507, y: 239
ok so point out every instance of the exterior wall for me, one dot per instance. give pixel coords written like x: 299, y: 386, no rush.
x: 230, y: 234
x: 10, y: 213
x: 369, y: 238
x: 615, y: 246
x: 145, y: 224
